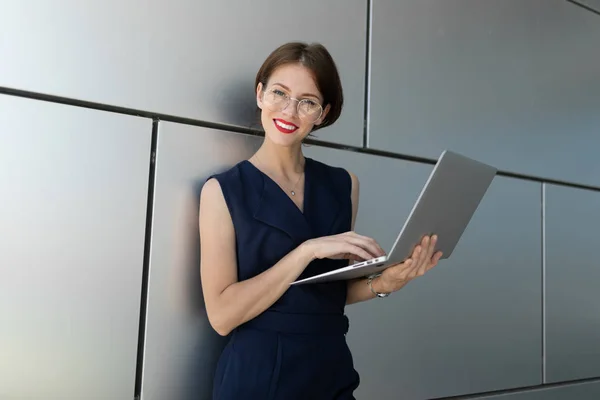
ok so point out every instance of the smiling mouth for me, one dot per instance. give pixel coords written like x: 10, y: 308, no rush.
x: 284, y: 126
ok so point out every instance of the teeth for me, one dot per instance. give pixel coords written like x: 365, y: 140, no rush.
x: 284, y: 126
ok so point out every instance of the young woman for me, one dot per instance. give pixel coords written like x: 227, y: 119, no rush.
x: 280, y: 216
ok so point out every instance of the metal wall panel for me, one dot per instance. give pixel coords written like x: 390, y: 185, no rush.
x: 74, y: 193
x: 181, y: 347
x: 189, y: 58
x: 473, y: 323
x: 584, y: 391
x: 572, y: 276
x: 515, y: 82
x: 473, y: 298
x: 592, y: 4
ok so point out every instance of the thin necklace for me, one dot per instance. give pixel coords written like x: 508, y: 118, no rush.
x: 293, y: 190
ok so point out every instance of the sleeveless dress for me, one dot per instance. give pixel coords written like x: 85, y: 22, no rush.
x: 297, y: 348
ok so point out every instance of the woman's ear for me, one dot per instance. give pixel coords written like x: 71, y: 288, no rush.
x: 259, y: 88
x: 322, y: 117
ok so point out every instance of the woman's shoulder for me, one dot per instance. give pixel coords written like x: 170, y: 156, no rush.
x: 228, y: 173
x: 336, y: 174
x: 224, y: 183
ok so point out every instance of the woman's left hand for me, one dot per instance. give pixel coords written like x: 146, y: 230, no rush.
x: 421, y: 261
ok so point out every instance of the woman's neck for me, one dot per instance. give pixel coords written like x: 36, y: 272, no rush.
x: 285, y: 162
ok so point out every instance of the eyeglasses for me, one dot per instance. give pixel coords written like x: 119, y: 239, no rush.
x: 277, y: 100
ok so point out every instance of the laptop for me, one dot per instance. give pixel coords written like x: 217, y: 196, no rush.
x: 450, y: 197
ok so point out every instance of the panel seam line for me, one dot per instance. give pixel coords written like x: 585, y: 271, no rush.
x: 367, y: 88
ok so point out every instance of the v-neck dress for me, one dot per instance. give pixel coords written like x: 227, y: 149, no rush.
x: 297, y: 348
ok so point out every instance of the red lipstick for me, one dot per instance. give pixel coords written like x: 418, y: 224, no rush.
x: 284, y: 126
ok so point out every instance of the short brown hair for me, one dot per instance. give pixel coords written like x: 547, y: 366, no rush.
x: 317, y: 59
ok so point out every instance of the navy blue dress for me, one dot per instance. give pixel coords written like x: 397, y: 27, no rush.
x: 297, y: 348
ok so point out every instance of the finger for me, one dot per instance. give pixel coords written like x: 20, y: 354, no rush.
x: 426, y: 260
x: 416, y: 261
x: 414, y: 272
x: 357, y: 251
x: 434, y: 260
x: 426, y: 251
x: 437, y: 256
x: 410, y: 267
x: 365, y: 243
x: 353, y: 257
x: 424, y: 255
x: 376, y: 249
x: 373, y: 245
x: 402, y: 271
x: 423, y: 268
x: 416, y: 252
x: 421, y: 260
x: 432, y: 244
x: 417, y: 257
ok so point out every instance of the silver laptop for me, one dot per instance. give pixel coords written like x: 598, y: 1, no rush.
x: 450, y: 197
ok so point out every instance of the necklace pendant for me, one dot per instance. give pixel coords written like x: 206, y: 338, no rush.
x: 293, y: 193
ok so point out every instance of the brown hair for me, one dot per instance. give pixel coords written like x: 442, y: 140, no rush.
x: 317, y: 59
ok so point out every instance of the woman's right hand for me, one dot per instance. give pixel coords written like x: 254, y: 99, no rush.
x: 348, y: 245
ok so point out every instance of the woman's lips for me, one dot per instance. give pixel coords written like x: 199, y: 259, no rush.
x: 284, y: 126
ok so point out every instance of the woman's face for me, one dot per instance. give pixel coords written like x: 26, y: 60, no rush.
x: 290, y: 105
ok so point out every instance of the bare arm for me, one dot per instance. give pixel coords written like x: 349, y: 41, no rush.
x: 230, y: 303
x: 358, y: 290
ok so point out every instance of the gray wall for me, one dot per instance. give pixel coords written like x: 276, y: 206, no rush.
x: 74, y: 185
x: 99, y: 259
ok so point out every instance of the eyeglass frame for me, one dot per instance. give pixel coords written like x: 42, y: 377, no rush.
x: 290, y: 98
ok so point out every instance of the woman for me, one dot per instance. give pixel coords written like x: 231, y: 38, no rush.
x: 280, y: 216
